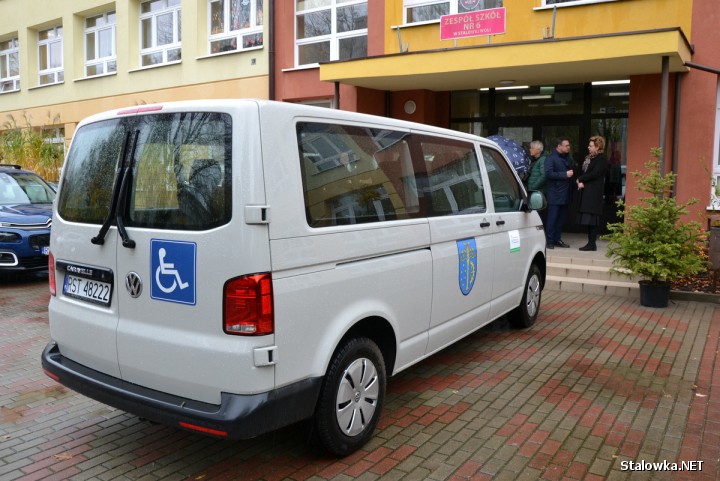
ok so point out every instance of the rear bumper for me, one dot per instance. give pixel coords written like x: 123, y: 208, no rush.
x: 236, y: 417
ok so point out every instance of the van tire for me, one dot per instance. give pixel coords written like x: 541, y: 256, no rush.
x: 351, y: 397
x: 524, y: 315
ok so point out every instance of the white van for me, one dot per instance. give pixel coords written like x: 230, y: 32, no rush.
x: 234, y: 266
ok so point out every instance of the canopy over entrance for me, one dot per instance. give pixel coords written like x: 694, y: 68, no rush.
x: 538, y: 62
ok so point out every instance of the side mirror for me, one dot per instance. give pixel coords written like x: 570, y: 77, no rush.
x: 537, y: 200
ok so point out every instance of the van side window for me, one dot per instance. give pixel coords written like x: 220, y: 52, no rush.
x: 506, y: 192
x: 453, y: 176
x: 355, y: 175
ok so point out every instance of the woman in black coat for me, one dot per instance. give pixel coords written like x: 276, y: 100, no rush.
x: 591, y: 184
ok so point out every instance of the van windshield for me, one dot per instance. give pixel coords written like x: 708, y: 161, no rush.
x: 179, y: 171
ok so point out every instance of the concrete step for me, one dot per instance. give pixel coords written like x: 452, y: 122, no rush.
x: 593, y: 286
x: 588, y: 274
x: 585, y: 271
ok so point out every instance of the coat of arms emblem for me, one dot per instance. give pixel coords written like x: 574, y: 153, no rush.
x: 467, y: 264
x: 469, y: 5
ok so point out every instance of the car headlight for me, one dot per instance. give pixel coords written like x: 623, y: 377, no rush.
x: 9, y: 237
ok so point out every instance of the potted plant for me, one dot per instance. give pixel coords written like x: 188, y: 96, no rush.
x: 653, y: 242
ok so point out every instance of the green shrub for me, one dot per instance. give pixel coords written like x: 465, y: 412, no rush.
x: 653, y: 242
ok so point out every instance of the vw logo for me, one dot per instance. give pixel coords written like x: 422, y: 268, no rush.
x: 133, y: 284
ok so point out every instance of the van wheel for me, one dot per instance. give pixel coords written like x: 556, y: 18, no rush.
x: 525, y: 314
x: 351, y: 397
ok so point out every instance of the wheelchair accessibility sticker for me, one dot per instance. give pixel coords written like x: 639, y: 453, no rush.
x: 467, y: 264
x: 172, y: 267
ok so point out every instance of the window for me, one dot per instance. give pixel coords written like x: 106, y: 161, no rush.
x: 100, y: 56
x: 454, y: 177
x: 715, y: 184
x: 9, y: 66
x: 426, y: 11
x: 181, y: 174
x: 160, y: 33
x: 330, y: 30
x: 50, y: 56
x: 506, y: 193
x: 235, y: 25
x: 354, y: 175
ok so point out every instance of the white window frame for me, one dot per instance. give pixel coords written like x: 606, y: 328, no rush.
x: 54, y: 136
x: 55, y: 38
x: 408, y: 4
x: 172, y: 7
x: 244, y: 38
x: 334, y: 37
x: 108, y: 64
x: 715, y: 184
x: 10, y: 83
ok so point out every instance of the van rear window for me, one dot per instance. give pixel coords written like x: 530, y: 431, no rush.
x: 179, y: 171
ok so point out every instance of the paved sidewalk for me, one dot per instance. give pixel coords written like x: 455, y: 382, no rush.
x: 597, y: 386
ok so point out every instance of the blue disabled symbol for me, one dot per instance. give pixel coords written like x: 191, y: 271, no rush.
x: 172, y: 266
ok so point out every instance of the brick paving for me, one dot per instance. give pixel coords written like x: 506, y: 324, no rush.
x: 596, y: 384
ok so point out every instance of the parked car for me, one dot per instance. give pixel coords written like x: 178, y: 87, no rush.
x: 25, y: 219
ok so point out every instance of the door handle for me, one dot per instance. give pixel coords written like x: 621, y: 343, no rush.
x: 485, y: 224
x: 500, y: 222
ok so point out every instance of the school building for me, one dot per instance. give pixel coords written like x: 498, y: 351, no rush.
x: 642, y: 73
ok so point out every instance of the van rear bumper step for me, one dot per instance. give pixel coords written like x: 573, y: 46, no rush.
x: 240, y: 416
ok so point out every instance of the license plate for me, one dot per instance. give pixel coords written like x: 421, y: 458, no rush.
x: 87, y: 289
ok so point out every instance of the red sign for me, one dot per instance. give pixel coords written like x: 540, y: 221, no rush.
x: 472, y: 24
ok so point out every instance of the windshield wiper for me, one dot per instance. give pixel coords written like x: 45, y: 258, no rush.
x: 119, y: 194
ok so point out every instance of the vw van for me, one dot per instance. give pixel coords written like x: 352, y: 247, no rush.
x: 234, y: 266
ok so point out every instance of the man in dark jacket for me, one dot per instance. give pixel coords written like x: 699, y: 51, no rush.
x: 558, y: 176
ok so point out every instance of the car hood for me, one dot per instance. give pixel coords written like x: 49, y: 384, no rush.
x: 25, y: 213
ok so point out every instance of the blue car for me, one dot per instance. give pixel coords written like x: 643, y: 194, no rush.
x: 25, y: 218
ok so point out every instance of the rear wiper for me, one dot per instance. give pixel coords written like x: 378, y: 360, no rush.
x: 118, y: 194
x: 122, y: 200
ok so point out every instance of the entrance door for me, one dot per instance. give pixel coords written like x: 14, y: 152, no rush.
x: 548, y: 133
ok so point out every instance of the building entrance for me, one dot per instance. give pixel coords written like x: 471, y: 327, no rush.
x: 545, y: 113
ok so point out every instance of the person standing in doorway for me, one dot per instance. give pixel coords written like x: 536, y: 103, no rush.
x: 558, y: 176
x: 591, y: 184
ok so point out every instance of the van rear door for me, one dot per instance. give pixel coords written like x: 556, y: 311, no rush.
x: 84, y: 311
x: 177, y: 239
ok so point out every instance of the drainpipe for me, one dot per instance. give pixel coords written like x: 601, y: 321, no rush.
x: 664, y: 109
x: 676, y: 129
x: 271, y: 51
x: 337, y: 95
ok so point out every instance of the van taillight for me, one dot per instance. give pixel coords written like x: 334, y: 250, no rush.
x: 248, y: 308
x: 51, y: 274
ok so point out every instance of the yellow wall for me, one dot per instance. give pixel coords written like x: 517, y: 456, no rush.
x: 238, y: 74
x: 527, y: 20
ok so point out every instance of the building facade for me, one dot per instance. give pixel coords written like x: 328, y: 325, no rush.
x: 62, y: 61
x: 642, y: 73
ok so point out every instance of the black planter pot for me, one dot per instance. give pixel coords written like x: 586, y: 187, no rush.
x: 654, y: 295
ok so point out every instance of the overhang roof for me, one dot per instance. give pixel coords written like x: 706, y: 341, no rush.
x: 537, y: 62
